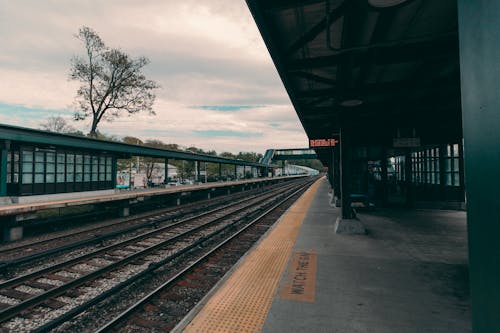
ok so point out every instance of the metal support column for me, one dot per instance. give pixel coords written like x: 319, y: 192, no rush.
x: 235, y: 173
x: 383, y: 176
x: 408, y: 181
x: 478, y: 26
x: 166, y: 171
x: 198, y: 171
x: 336, y: 176
x: 4, y: 146
x: 345, y: 175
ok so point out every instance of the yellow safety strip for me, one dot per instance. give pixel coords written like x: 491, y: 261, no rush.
x: 243, y: 301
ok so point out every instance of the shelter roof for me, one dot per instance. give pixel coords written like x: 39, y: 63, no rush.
x: 49, y: 139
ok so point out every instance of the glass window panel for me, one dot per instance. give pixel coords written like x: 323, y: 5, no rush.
x: 70, y: 158
x: 27, y: 167
x: 78, y: 159
x: 50, y: 178
x: 39, y: 156
x: 15, y: 178
x: 456, y: 165
x: 39, y: 167
x: 95, y: 177
x: 86, y: 168
x: 60, y: 178
x: 108, y: 177
x: 69, y: 177
x: 449, y: 179
x: 61, y: 158
x: 16, y: 162
x: 50, y: 157
x: 27, y: 178
x: 86, y: 159
x: 27, y: 156
x: 109, y: 160
x: 456, y: 179
x: 455, y: 149
x: 78, y: 177
x: 79, y: 168
x: 39, y: 178
x: 86, y: 177
x: 447, y: 164
x: 102, y: 176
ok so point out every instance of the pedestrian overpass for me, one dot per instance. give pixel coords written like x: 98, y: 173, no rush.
x: 274, y: 155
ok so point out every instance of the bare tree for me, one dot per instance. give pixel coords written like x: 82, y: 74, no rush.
x: 112, y: 83
x: 57, y: 124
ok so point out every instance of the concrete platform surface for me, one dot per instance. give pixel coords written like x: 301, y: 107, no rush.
x: 409, y: 273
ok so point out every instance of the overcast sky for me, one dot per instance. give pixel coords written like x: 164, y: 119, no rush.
x: 219, y: 87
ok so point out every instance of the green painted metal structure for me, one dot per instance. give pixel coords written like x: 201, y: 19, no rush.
x: 123, y: 150
x: 34, y: 162
x: 288, y: 154
x: 479, y: 26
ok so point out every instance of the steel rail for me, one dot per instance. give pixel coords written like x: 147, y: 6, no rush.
x: 121, y: 317
x: 13, y: 310
x: 77, y: 310
x: 13, y: 262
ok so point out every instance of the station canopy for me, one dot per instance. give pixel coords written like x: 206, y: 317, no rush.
x: 381, y: 69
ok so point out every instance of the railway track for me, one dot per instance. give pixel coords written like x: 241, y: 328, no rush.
x: 15, y: 256
x: 48, y: 297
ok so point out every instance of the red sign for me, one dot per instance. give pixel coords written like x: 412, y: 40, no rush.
x: 315, y: 143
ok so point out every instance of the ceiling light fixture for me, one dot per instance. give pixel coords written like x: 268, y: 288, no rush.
x: 385, y: 3
x: 351, y: 102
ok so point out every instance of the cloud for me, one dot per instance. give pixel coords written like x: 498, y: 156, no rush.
x: 220, y: 133
x: 218, y: 82
x: 225, y: 108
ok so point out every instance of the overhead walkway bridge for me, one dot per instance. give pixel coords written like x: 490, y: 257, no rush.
x: 273, y: 155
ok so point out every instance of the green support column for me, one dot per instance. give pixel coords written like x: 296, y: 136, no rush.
x: 345, y: 176
x: 3, y: 168
x: 479, y: 26
x: 408, y: 181
x: 383, y: 176
x: 347, y: 223
x: 235, y: 173
x: 336, y: 176
x: 198, y: 171
x: 114, y: 170
x: 165, y: 181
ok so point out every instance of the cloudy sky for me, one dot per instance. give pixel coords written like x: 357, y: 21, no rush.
x: 219, y: 88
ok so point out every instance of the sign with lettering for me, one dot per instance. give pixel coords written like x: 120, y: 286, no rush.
x: 406, y: 142
x: 301, y: 282
x: 316, y: 143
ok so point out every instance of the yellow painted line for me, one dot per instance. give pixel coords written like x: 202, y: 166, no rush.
x: 301, y: 281
x: 242, y: 302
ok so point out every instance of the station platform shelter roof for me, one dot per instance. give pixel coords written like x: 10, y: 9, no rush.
x: 383, y: 69
x: 123, y: 150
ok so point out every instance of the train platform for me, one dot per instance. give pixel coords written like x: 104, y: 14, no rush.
x: 409, y: 273
x: 49, y: 201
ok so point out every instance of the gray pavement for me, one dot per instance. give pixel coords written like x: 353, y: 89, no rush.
x: 408, y: 274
